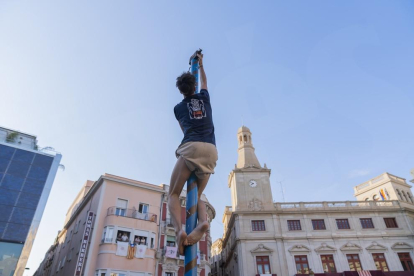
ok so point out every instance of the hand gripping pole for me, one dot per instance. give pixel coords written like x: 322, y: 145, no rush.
x: 190, y: 252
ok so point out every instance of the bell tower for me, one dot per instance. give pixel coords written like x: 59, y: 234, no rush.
x: 249, y: 181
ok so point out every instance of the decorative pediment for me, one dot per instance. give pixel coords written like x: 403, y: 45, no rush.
x: 261, y: 249
x: 351, y: 247
x: 324, y: 248
x: 299, y: 248
x: 401, y: 246
x: 376, y: 247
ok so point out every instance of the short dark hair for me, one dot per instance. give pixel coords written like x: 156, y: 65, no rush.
x: 186, y: 83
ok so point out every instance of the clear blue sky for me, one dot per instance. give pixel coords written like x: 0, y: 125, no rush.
x: 325, y: 86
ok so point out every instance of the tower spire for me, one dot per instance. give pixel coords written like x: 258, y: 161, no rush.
x: 247, y: 157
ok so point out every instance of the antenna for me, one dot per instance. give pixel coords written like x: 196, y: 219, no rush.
x: 282, y: 189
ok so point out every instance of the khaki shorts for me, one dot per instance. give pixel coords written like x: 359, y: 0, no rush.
x: 200, y: 157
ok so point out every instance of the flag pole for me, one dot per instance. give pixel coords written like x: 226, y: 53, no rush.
x: 190, y: 251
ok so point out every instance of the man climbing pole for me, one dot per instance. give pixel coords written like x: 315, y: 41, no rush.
x: 196, y: 154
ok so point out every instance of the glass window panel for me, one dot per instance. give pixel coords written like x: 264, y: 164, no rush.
x: 267, y: 268
x: 39, y: 173
x: 23, y: 156
x: 12, y: 182
x: 6, y: 152
x: 294, y: 225
x: 8, y: 197
x: 22, y: 215
x: 5, y: 212
x: 9, y: 255
x: 16, y: 232
x: 260, y: 269
x: 3, y: 164
x: 33, y: 186
x: 18, y: 168
x: 43, y: 161
x: 27, y: 200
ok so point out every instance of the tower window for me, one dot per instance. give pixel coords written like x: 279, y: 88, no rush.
x: 409, y: 196
x: 245, y: 138
x: 399, y: 194
x: 240, y: 139
x: 406, y: 199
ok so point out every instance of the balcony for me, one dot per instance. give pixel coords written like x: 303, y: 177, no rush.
x: 131, y: 213
x: 162, y: 252
x: 168, y: 223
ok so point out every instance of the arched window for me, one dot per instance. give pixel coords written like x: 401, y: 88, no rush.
x: 367, y: 199
x: 399, y: 194
x: 410, y: 197
x: 375, y: 198
x: 406, y: 199
x: 240, y: 138
x: 245, y: 138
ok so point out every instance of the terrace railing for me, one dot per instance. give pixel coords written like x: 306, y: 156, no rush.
x: 131, y: 213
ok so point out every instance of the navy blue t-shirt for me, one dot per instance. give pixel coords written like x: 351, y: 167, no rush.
x: 196, y: 118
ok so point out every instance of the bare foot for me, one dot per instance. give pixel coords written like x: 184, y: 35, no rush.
x: 197, y: 233
x: 181, y: 238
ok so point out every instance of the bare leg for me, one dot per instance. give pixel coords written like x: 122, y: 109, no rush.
x: 179, y: 176
x: 202, y: 225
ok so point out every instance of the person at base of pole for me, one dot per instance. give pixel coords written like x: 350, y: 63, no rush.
x: 197, y: 152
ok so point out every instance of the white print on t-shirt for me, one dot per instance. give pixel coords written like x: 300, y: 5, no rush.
x: 196, y: 109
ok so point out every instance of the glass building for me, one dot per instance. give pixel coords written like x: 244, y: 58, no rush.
x: 26, y: 178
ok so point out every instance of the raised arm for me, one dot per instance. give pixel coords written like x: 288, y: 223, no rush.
x: 203, y: 78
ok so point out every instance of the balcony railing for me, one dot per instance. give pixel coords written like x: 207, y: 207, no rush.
x: 168, y: 223
x: 335, y: 205
x: 131, y: 213
x: 178, y: 256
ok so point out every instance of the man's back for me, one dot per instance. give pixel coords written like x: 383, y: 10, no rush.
x: 194, y: 113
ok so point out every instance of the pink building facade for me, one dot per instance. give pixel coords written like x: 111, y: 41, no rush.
x: 119, y: 227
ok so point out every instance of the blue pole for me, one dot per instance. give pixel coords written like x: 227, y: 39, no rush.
x: 190, y: 252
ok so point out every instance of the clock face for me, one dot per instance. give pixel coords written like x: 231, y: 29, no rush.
x: 253, y: 183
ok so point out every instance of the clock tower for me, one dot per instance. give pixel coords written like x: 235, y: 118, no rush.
x: 249, y: 181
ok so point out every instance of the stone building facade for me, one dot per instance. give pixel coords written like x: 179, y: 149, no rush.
x: 263, y: 237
